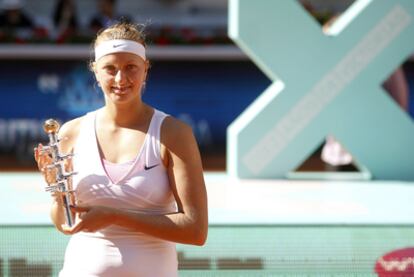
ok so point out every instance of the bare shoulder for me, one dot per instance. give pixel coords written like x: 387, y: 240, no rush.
x: 177, y: 140
x: 174, y: 131
x: 68, y: 134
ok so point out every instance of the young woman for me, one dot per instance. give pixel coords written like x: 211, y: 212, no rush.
x: 140, y: 185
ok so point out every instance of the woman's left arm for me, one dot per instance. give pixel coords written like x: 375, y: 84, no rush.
x: 189, y: 225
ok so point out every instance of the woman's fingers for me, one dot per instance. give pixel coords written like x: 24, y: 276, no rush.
x: 40, y: 157
x: 68, y: 164
x: 36, y: 154
x: 43, y: 161
x: 78, y: 226
x: 88, y: 219
x: 80, y: 209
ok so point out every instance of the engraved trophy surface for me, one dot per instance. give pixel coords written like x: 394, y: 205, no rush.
x: 63, y: 182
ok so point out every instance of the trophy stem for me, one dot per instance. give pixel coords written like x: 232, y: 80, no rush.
x: 68, y: 212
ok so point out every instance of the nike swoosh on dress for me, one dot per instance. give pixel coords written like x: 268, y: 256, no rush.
x: 149, y: 167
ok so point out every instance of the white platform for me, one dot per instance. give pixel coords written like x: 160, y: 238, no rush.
x: 233, y: 201
x: 309, y: 202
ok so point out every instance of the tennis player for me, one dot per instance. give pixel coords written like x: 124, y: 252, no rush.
x: 140, y: 186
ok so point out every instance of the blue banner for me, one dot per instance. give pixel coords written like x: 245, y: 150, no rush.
x: 208, y: 95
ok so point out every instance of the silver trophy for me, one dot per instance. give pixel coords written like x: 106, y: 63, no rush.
x: 63, y: 183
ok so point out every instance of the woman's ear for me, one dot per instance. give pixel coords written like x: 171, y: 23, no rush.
x: 93, y: 67
x: 147, y: 65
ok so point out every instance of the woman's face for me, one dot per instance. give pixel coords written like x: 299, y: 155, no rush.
x: 121, y: 76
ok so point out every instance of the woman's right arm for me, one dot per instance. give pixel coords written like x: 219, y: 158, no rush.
x: 67, y: 134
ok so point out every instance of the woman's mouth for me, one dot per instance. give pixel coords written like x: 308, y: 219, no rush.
x: 120, y: 90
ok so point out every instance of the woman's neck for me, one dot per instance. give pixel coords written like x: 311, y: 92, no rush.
x: 126, y: 116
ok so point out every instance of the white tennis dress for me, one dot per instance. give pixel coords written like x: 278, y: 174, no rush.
x: 117, y: 251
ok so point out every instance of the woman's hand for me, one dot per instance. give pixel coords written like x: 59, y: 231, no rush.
x: 90, y: 219
x: 43, y: 161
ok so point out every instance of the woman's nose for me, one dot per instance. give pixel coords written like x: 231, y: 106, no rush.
x: 119, y: 76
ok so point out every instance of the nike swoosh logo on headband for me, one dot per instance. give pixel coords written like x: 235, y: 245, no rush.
x: 117, y: 45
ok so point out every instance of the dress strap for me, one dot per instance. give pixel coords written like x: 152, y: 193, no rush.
x: 153, y: 146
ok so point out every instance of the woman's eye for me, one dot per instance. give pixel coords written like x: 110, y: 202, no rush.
x: 110, y: 69
x: 132, y: 67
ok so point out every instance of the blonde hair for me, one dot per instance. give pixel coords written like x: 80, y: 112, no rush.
x: 121, y: 30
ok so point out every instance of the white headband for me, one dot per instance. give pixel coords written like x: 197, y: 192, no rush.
x: 119, y: 45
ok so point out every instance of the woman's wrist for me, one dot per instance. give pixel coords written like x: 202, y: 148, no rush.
x: 117, y: 217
